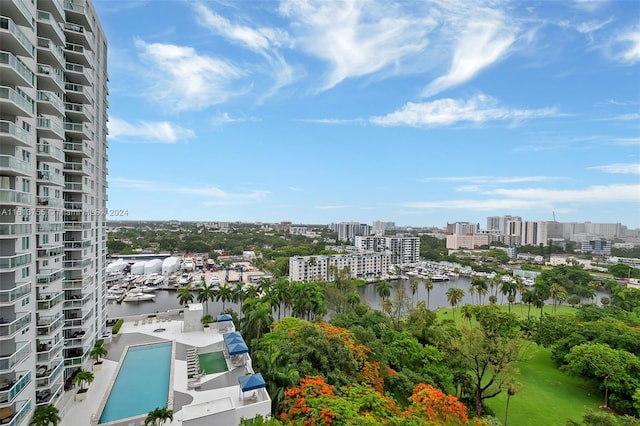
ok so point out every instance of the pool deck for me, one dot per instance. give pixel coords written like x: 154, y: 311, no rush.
x: 211, y: 387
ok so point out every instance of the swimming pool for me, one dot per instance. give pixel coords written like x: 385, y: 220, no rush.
x: 142, y: 382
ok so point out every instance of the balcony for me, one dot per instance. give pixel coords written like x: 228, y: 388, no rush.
x: 13, y: 230
x: 78, y: 93
x: 77, y: 73
x: 13, y: 71
x: 48, y: 276
x: 10, y: 329
x: 47, y: 326
x: 49, y: 227
x: 14, y: 135
x: 49, y: 27
x: 74, y: 167
x: 47, y: 352
x: 76, y: 13
x: 49, y: 127
x: 50, y: 53
x: 48, y: 301
x: 71, y: 226
x: 49, y: 396
x: 49, y: 177
x: 77, y: 34
x: 50, y: 103
x: 51, y: 250
x: 18, y: 292
x: 54, y: 7
x: 50, y: 78
x: 50, y: 153
x: 7, y: 362
x: 77, y: 112
x: 73, y: 186
x: 13, y: 39
x: 13, y: 197
x: 76, y: 264
x: 77, y: 148
x: 15, y: 102
x: 45, y: 201
x: 10, y: 389
x: 21, y: 409
x: 11, y: 166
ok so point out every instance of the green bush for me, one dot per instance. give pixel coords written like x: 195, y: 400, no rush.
x: 116, y: 327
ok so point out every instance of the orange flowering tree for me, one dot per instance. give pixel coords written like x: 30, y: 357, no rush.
x: 435, y: 406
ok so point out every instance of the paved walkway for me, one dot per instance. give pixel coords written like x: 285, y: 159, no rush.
x: 82, y: 412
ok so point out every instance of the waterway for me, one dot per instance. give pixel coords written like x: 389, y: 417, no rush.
x: 167, y: 299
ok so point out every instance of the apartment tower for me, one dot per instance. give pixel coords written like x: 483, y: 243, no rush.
x: 53, y: 182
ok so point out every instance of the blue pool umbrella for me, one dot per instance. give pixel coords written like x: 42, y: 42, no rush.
x: 237, y: 348
x: 231, y: 334
x: 224, y: 317
x: 249, y: 383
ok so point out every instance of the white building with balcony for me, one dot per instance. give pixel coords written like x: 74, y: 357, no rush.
x: 53, y: 155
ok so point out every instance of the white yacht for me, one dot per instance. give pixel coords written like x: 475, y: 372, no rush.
x: 138, y: 297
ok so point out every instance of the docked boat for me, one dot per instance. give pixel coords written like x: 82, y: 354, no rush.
x: 439, y: 277
x: 142, y: 289
x: 115, y: 292
x: 138, y: 297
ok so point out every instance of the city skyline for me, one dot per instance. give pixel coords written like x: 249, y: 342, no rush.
x: 417, y: 113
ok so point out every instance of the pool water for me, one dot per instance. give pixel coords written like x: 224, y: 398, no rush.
x: 142, y: 383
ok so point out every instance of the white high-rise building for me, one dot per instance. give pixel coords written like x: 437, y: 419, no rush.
x: 401, y: 249
x: 53, y: 182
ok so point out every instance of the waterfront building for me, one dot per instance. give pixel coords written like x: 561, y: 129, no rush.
x: 53, y: 182
x: 323, y: 268
x: 402, y: 250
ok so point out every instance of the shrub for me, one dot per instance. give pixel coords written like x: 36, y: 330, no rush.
x: 116, y: 327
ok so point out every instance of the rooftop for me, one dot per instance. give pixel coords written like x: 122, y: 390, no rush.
x: 217, y: 395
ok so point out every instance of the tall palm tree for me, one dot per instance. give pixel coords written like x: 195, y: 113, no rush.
x: 238, y: 294
x: 185, y: 296
x: 158, y: 416
x: 428, y: 285
x: 46, y: 415
x: 205, y: 294
x: 414, y: 289
x: 508, y: 288
x: 520, y: 288
x: 257, y: 321
x: 454, y: 296
x: 353, y: 299
x: 383, y: 288
x: 529, y: 298
x: 283, y: 289
x: 225, y: 294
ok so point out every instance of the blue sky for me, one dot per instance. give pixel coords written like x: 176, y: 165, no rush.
x: 421, y: 113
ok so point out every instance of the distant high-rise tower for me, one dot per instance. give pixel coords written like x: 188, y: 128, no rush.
x: 53, y: 183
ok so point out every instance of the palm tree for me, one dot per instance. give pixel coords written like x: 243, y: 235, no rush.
x: 520, y: 287
x: 257, y: 321
x: 512, y: 389
x: 237, y: 294
x: 45, y: 415
x: 428, y: 285
x: 184, y: 296
x: 205, y: 293
x: 98, y: 352
x: 414, y: 289
x: 83, y: 378
x: 528, y: 297
x: 454, y: 296
x: 353, y: 299
x: 225, y: 294
x: 467, y: 313
x: 158, y: 416
x: 384, y: 290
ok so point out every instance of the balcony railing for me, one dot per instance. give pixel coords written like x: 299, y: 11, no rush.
x: 55, y: 152
x: 8, y: 24
x: 10, y: 59
x: 9, y: 127
x: 10, y: 296
x: 50, y: 300
x: 10, y: 162
x: 45, y: 17
x: 11, y: 328
x: 20, y: 99
x: 14, y: 229
x: 54, y: 125
x: 48, y: 325
x: 53, y: 73
x: 49, y: 227
x: 50, y: 97
x: 20, y: 354
x: 15, y: 261
x: 9, y: 395
x: 56, y: 51
x: 15, y: 197
x: 47, y: 276
x: 50, y: 176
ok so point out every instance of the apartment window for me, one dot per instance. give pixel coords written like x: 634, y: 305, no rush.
x: 25, y: 272
x: 26, y: 156
x: 25, y: 243
x: 25, y: 185
x: 45, y: 239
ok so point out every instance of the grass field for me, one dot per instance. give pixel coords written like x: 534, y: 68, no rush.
x: 519, y: 310
x: 547, y: 396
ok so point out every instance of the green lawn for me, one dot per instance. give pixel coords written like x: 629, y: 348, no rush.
x: 548, y: 396
x: 519, y: 310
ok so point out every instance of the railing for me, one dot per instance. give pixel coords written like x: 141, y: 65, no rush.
x: 73, y: 107
x: 13, y: 196
x: 10, y: 59
x: 72, y: 186
x: 48, y: 325
x: 45, y: 43
x: 49, y: 227
x: 10, y: 394
x: 15, y: 261
x: 16, y: 325
x: 8, y: 161
x: 71, y: 6
x: 11, y: 128
x: 50, y: 176
x: 51, y: 98
x: 47, y: 276
x: 53, y: 151
x: 55, y: 73
x: 8, y: 24
x: 49, y: 201
x: 51, y: 124
x: 14, y: 228
x: 20, y: 99
x: 48, y: 19
x: 19, y: 355
x: 10, y: 296
x: 53, y: 300
x: 73, y: 166
x: 23, y: 409
x: 50, y: 353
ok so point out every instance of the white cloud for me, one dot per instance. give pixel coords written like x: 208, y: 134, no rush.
x: 225, y: 118
x: 631, y: 46
x: 295, y: 188
x: 356, y: 37
x: 481, y: 43
x: 445, y: 112
x: 146, y: 131
x: 185, y: 79
x: 492, y: 179
x: 207, y: 195
x: 619, y: 168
